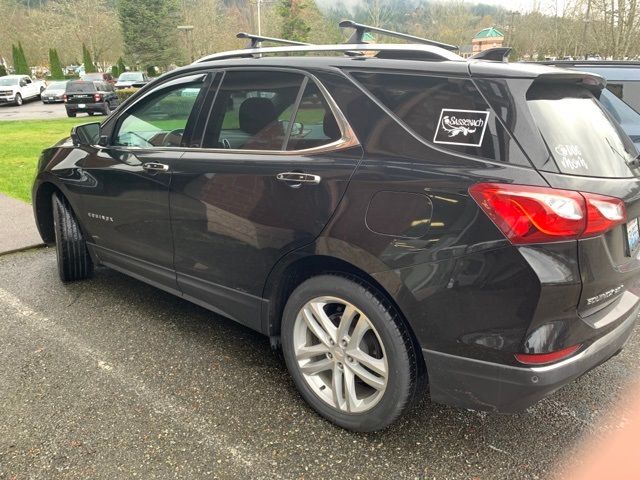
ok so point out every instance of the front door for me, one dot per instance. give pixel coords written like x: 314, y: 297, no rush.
x: 275, y: 161
x: 126, y: 202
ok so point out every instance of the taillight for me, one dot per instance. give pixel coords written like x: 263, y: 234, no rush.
x: 544, y: 358
x: 65, y: 98
x: 527, y: 214
x: 97, y: 97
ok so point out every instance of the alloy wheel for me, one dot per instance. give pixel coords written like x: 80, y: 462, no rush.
x: 340, y: 354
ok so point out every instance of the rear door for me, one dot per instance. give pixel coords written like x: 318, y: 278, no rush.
x: 593, y: 154
x: 274, y: 161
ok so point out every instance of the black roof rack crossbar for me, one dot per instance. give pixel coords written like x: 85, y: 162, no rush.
x: 361, y: 29
x: 255, y: 40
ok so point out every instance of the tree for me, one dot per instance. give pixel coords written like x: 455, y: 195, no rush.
x: 55, y: 65
x: 20, y: 64
x: 89, y: 67
x: 121, y: 66
x: 3, y: 70
x: 293, y: 26
x: 149, y: 30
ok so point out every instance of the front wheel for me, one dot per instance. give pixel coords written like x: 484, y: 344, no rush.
x: 74, y: 261
x: 71, y: 114
x: 18, y: 99
x: 349, y: 354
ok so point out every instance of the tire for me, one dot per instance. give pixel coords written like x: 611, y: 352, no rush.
x: 386, y: 346
x: 71, y: 114
x: 41, y: 90
x: 74, y: 261
x: 90, y: 114
x: 18, y: 100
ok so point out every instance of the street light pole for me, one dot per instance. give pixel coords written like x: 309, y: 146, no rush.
x: 187, y: 29
x: 259, y: 22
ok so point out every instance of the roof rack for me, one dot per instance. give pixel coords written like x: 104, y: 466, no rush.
x: 424, y: 52
x: 255, y: 40
x: 361, y: 29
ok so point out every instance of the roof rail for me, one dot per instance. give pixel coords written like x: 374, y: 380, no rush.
x: 255, y: 40
x: 426, y: 52
x: 361, y: 29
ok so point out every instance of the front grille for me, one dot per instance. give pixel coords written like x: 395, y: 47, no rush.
x: 6, y: 92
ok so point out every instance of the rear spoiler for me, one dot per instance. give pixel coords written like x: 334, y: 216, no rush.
x: 498, y: 54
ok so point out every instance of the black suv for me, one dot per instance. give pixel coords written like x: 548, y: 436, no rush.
x: 90, y: 97
x: 392, y: 217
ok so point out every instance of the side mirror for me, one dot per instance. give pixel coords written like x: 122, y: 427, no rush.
x: 297, y: 129
x: 23, y: 83
x: 86, y: 134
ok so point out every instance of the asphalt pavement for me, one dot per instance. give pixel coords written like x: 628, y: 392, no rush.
x: 33, y: 110
x: 111, y: 378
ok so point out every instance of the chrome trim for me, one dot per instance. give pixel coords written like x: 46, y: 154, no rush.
x: 365, y: 47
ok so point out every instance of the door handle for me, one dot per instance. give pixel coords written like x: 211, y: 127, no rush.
x: 155, y: 167
x: 297, y: 179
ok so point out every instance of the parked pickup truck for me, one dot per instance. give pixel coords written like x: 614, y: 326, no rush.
x: 17, y: 88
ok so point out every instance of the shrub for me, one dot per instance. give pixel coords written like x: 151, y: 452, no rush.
x: 3, y: 70
x: 125, y: 93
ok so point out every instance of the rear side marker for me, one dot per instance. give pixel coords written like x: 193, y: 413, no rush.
x: 546, y: 358
x: 527, y: 214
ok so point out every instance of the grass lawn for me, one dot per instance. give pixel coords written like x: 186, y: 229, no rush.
x: 21, y: 142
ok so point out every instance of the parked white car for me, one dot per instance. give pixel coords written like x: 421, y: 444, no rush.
x: 17, y: 88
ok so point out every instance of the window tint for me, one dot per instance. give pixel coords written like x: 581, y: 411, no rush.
x: 449, y: 112
x: 159, y: 120
x: 314, y: 124
x: 580, y: 136
x: 80, y: 87
x: 252, y: 110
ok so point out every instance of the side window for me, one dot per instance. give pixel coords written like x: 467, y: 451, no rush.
x: 160, y: 119
x: 252, y: 110
x: 314, y: 124
x: 448, y: 112
x: 27, y: 80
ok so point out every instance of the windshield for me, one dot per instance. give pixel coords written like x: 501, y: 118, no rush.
x: 131, y: 76
x: 8, y: 81
x: 57, y: 86
x: 81, y: 87
x: 580, y: 136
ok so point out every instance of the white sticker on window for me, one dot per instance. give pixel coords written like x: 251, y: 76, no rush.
x: 461, y: 127
x: 570, y: 157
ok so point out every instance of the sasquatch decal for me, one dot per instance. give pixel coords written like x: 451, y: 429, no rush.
x: 461, y: 127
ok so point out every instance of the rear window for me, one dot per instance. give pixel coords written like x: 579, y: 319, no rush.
x: 81, y: 87
x: 448, y: 112
x: 580, y: 136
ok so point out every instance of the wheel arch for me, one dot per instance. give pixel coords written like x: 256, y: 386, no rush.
x: 282, y: 281
x: 43, y: 210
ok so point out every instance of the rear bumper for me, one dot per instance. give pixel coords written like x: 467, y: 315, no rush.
x: 480, y: 385
x: 88, y: 107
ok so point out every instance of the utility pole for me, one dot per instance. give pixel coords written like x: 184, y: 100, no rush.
x: 259, y: 21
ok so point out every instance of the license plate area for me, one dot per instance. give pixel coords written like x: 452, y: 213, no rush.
x: 633, y: 236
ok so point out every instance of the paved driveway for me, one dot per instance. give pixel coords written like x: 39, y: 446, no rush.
x: 32, y: 110
x: 109, y: 378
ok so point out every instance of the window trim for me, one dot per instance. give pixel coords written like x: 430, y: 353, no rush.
x: 348, y: 137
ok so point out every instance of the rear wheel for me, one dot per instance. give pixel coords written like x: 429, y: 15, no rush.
x: 74, y: 262
x: 349, y: 354
x: 71, y: 114
x: 18, y: 99
x: 90, y: 114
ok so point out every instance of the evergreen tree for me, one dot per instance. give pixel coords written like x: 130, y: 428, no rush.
x: 115, y: 73
x: 89, y: 67
x: 121, y: 66
x: 3, y: 70
x: 149, y: 30
x: 55, y: 65
x: 294, y: 26
x: 20, y: 64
